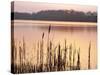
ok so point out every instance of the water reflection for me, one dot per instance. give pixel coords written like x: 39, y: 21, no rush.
x: 37, y: 38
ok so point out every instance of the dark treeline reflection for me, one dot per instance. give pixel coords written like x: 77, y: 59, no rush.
x: 57, y: 15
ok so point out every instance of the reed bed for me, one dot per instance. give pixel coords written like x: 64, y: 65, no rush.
x: 58, y: 58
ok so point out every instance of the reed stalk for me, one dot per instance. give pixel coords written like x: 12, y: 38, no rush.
x: 89, y: 54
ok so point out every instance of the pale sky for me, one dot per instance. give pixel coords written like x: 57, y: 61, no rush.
x: 29, y: 7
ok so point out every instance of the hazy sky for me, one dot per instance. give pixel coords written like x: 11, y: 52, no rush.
x: 22, y: 6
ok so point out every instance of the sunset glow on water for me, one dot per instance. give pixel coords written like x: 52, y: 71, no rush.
x: 76, y: 35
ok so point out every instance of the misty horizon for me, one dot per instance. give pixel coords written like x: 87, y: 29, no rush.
x: 34, y: 7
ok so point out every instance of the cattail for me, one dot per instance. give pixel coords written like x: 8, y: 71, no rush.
x: 47, y: 56
x: 12, y: 54
x: 78, y: 60
x: 59, y: 59
x: 15, y: 58
x: 43, y: 35
x: 65, y: 52
x: 70, y: 55
x: 50, y: 60
x: 49, y: 29
x: 37, y: 53
x: 24, y: 49
x: 41, y: 52
x: 48, y: 49
x: 74, y: 57
x: 20, y: 58
x: 89, y: 56
x: 55, y: 58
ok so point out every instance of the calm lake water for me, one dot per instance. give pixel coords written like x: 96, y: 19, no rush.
x: 79, y: 34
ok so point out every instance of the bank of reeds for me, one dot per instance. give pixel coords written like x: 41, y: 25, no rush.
x: 58, y: 58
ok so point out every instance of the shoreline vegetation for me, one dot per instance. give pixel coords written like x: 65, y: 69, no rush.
x: 56, y: 15
x: 58, y: 58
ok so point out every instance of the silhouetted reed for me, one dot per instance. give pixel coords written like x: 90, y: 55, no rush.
x: 89, y: 54
x: 78, y: 60
x: 65, y: 56
x: 70, y: 56
x: 74, y: 53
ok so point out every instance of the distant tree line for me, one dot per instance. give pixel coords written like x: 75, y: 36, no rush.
x: 57, y: 15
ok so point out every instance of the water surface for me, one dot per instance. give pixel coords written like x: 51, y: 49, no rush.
x: 79, y: 34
